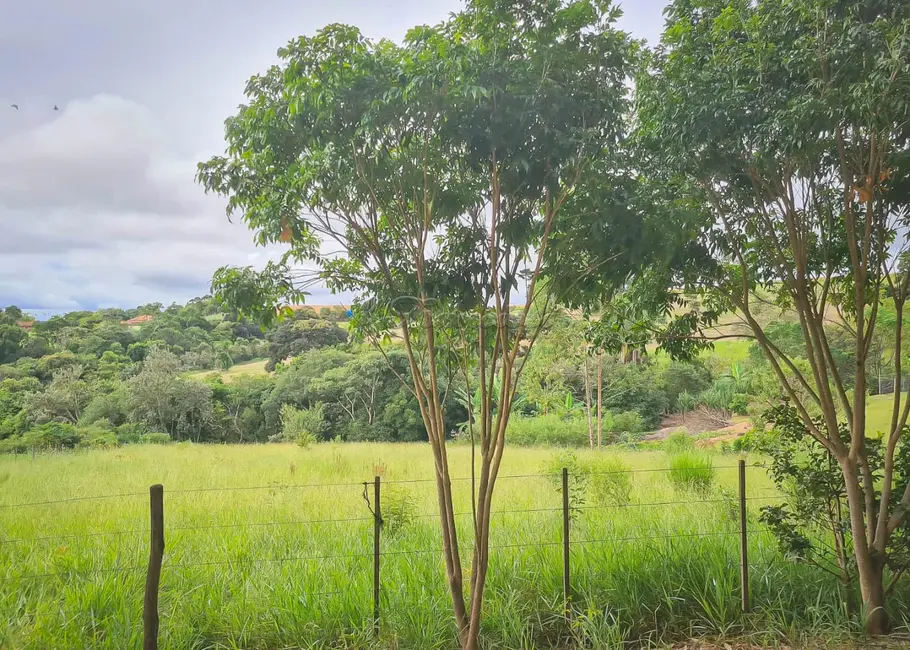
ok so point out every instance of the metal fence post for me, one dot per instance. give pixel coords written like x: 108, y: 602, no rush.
x: 566, y: 587
x: 377, y: 527
x: 153, y: 578
x: 743, y: 538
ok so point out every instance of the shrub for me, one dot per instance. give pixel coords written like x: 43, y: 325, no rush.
x: 680, y: 378
x: 548, y: 430
x: 611, y: 481
x: 96, y: 436
x: 757, y: 439
x: 130, y: 433
x: 628, y: 422
x: 303, y: 426
x: 53, y: 435
x: 155, y: 439
x: 399, y: 510
x: 677, y: 442
x: 691, y: 471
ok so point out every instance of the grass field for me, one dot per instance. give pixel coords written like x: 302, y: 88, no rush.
x: 878, y: 413
x: 252, y: 368
x: 235, y: 575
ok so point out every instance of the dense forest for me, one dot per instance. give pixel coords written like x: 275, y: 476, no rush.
x: 155, y: 374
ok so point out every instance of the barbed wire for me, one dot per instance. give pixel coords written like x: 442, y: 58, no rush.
x: 530, y: 545
x: 358, y: 485
x: 553, y: 475
x: 257, y: 524
x: 304, y: 522
x: 47, y: 538
x: 30, y: 576
x: 71, y: 499
x: 296, y: 558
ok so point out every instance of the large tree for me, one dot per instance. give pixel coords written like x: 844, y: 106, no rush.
x: 443, y: 180
x: 785, y: 123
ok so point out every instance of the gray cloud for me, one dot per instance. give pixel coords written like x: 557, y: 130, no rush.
x: 98, y: 205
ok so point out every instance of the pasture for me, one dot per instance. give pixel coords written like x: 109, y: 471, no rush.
x: 270, y: 546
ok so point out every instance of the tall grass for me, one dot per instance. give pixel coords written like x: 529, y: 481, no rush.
x: 692, y: 471
x: 639, y: 573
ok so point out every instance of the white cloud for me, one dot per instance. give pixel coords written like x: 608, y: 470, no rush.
x: 94, y: 210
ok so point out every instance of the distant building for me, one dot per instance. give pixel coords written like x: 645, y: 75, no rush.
x: 139, y: 320
x: 25, y: 324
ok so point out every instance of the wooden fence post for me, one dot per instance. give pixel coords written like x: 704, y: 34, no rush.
x: 377, y: 527
x: 743, y: 539
x: 153, y: 578
x: 566, y: 587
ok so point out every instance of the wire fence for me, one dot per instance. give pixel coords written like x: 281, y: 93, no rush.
x: 570, y: 514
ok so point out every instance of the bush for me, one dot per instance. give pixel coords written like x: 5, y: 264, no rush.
x: 758, y: 440
x: 155, y: 439
x: 678, y: 442
x: 303, y: 426
x: 53, y: 435
x: 611, y: 481
x: 130, y: 433
x: 691, y: 471
x: 97, y: 437
x: 680, y: 378
x: 547, y: 430
x: 628, y: 422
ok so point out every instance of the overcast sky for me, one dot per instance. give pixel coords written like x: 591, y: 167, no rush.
x: 98, y: 206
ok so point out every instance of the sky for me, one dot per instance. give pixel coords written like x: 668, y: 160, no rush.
x: 117, y: 102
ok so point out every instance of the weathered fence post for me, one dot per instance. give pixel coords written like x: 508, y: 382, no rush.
x: 153, y: 578
x: 566, y: 587
x: 743, y: 538
x: 377, y: 527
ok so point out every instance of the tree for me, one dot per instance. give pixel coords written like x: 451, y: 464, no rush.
x: 64, y: 399
x: 784, y: 125
x: 11, y: 337
x: 293, y: 337
x: 164, y: 401
x: 457, y: 173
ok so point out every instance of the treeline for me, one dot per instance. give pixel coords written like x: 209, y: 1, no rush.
x: 100, y: 378
x: 114, y: 375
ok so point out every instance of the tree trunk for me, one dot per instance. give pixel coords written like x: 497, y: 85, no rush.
x: 870, y: 564
x: 600, y: 399
x: 588, y: 402
x: 877, y: 621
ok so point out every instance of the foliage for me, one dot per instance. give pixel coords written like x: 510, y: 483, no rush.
x: 782, y: 127
x: 626, y: 422
x: 811, y: 526
x: 294, y: 336
x: 681, y: 378
x: 757, y: 440
x: 303, y: 426
x: 155, y: 438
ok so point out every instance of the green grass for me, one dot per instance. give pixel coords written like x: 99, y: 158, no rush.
x: 253, y: 368
x: 878, y: 414
x: 645, y: 573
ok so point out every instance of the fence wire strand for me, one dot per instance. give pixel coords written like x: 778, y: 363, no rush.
x: 72, y: 499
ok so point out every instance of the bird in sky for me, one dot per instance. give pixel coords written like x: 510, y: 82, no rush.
x: 55, y: 108
x: 16, y: 106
